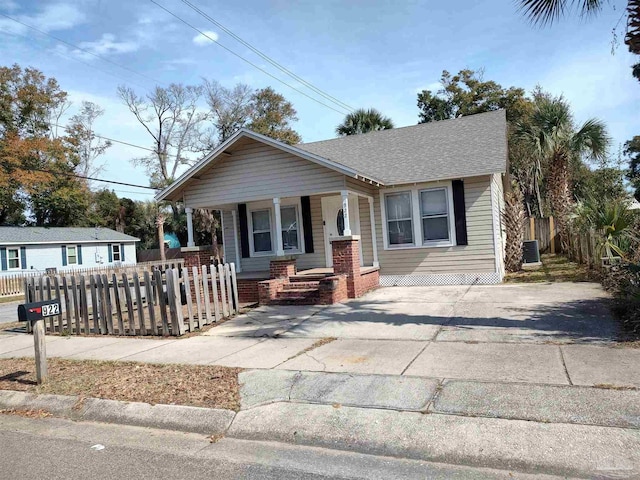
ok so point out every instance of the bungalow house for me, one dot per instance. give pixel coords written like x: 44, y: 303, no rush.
x: 418, y: 205
x: 36, y: 249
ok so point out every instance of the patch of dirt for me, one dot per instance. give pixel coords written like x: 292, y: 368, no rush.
x: 355, y: 359
x: 195, y: 385
x: 40, y: 413
x: 313, y: 346
x: 609, y: 386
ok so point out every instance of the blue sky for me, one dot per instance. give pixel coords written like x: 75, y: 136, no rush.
x: 365, y: 53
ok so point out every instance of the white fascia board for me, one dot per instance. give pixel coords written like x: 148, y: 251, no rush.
x: 264, y: 139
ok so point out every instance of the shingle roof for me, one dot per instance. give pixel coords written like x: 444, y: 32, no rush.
x: 462, y: 147
x: 30, y: 235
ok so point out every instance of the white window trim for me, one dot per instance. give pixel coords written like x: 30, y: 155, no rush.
x: 451, y: 221
x: 268, y: 205
x: 19, y: 267
x: 75, y: 247
x: 417, y: 216
x: 113, y: 252
x: 385, y: 220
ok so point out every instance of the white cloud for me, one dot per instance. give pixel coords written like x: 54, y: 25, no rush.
x: 57, y: 16
x: 107, y: 44
x: 202, y: 40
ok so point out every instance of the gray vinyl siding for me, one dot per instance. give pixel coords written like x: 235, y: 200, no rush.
x: 228, y: 237
x: 498, y: 227
x: 365, y: 231
x: 476, y: 257
x: 360, y: 186
x: 256, y: 171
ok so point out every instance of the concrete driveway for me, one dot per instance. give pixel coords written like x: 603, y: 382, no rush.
x: 536, y: 333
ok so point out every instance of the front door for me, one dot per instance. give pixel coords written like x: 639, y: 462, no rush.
x: 333, y: 221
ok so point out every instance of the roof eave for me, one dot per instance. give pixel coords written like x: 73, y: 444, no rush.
x: 243, y: 132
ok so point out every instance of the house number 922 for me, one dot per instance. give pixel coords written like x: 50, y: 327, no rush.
x: 50, y: 310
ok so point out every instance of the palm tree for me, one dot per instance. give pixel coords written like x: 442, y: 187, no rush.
x: 363, y: 121
x: 548, y: 11
x: 556, y: 142
x: 545, y: 12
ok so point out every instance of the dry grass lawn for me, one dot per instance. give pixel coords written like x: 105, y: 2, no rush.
x: 199, y: 386
x: 555, y: 268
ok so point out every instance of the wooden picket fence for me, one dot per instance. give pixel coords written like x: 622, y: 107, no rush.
x: 154, y: 302
x: 545, y: 231
x: 13, y: 284
x: 581, y: 245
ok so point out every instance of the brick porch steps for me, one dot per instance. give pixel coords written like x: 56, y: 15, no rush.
x: 301, y: 285
x: 301, y: 293
x: 309, y: 278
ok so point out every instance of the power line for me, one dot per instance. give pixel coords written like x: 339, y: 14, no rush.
x: 267, y: 58
x: 93, y: 179
x: 244, y: 59
x: 89, y: 52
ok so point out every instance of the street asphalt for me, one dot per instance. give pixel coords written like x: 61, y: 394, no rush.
x: 33, y: 449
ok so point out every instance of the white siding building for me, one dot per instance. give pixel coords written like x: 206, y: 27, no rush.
x: 36, y: 249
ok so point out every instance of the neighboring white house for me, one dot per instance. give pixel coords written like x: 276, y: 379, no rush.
x: 29, y: 249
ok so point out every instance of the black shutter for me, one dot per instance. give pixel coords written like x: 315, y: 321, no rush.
x: 244, y: 230
x: 64, y: 255
x: 307, y: 226
x: 3, y: 258
x: 459, y: 212
x: 23, y: 258
x: 110, y: 252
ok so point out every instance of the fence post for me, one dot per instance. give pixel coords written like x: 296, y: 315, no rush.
x: 175, y: 304
x: 223, y: 291
x: 234, y: 280
x: 552, y: 235
x: 205, y: 293
x: 532, y: 228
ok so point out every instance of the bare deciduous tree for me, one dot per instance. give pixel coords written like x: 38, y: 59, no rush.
x: 89, y: 146
x: 231, y: 108
x: 173, y: 119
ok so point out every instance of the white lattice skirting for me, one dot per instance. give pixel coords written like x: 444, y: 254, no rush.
x: 440, y: 279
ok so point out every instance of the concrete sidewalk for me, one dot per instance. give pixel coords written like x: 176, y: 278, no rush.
x: 541, y: 364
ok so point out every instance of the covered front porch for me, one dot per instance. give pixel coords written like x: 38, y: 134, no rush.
x: 301, y: 241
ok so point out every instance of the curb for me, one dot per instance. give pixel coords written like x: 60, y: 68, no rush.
x: 207, y: 421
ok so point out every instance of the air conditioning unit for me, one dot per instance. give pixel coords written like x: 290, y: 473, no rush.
x: 531, y: 251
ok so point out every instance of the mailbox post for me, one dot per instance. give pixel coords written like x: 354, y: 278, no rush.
x: 35, y: 313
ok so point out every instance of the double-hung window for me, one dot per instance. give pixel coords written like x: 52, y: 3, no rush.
x: 399, y: 218
x: 289, y: 219
x: 13, y: 258
x: 434, y: 213
x: 261, y: 225
x: 418, y: 217
x: 72, y: 255
x: 115, y: 253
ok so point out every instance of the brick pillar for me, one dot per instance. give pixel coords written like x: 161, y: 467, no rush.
x: 196, y: 257
x: 346, y: 261
x: 282, y: 268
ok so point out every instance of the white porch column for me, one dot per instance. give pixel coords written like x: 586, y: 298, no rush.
x: 374, y: 240
x: 345, y: 212
x: 189, y: 212
x: 279, y: 246
x: 234, y: 214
